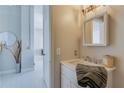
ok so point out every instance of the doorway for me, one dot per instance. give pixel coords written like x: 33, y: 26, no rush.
x: 38, y: 40
x: 42, y: 44
x: 38, y: 36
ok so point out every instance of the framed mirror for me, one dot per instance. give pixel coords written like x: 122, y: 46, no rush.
x: 7, y: 39
x: 95, y: 30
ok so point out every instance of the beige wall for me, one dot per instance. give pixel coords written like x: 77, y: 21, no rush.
x: 66, y: 34
x: 88, y: 32
x: 66, y: 23
x: 116, y: 47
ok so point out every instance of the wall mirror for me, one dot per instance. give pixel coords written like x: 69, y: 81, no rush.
x: 7, y: 39
x: 95, y: 30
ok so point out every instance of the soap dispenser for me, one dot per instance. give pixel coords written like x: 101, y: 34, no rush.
x: 108, y: 61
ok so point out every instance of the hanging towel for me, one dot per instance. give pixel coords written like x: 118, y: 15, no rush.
x: 91, y: 76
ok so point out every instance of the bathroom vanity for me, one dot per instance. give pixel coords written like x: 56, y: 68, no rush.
x: 68, y: 73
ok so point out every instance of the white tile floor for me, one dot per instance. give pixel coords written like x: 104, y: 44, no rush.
x: 32, y: 79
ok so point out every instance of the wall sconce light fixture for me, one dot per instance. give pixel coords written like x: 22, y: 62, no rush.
x: 90, y: 8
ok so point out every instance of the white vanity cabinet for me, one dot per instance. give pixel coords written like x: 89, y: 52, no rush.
x: 68, y: 73
x: 68, y: 78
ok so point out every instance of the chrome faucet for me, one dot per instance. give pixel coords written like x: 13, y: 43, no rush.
x: 87, y: 58
x: 93, y: 60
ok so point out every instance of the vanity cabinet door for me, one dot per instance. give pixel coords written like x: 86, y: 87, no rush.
x: 72, y: 85
x: 65, y: 82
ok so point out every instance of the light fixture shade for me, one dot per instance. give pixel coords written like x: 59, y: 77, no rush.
x: 88, y: 8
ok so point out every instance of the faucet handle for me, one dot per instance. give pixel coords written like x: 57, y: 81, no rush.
x: 94, y: 60
x: 88, y: 58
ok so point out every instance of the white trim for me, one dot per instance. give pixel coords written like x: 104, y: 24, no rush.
x: 11, y: 71
x: 7, y: 71
x: 94, y: 44
x: 47, y: 9
x: 27, y: 69
x: 52, y: 74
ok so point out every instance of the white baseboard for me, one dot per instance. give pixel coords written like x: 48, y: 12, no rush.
x: 27, y: 69
x: 7, y: 71
x: 12, y: 71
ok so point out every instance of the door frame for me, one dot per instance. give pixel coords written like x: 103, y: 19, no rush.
x: 46, y: 8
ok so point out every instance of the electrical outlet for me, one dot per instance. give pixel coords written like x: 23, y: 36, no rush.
x: 58, y: 52
x: 76, y: 52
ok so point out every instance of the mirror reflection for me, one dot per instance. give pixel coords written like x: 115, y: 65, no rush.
x: 94, y: 31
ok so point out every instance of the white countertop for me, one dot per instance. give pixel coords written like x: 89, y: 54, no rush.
x: 71, y: 64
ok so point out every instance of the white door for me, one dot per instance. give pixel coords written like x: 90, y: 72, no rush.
x: 38, y: 33
x: 46, y: 47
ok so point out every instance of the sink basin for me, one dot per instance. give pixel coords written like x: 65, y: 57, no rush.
x: 91, y: 64
x: 84, y: 63
x: 74, y: 63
